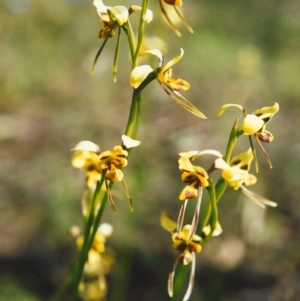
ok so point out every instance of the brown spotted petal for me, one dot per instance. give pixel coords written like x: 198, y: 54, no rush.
x: 178, y: 84
x: 114, y: 174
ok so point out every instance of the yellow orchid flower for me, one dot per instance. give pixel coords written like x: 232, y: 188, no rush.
x: 163, y: 74
x: 114, y: 160
x: 243, y: 160
x: 194, y: 176
x: 237, y: 176
x: 188, y: 245
x: 255, y: 124
x: 175, y: 4
x: 258, y: 118
x: 97, y: 265
x: 236, y: 173
x: 105, y: 230
x: 86, y: 157
x: 216, y: 232
x: 112, y: 18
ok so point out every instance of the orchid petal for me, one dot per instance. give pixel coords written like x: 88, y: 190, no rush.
x: 148, y: 17
x: 178, y: 84
x: 221, y: 164
x: 155, y: 52
x: 267, y: 113
x: 252, y: 124
x: 120, y: 13
x: 171, y: 63
x: 102, y: 10
x: 128, y: 142
x: 182, y: 102
x: 225, y: 107
x: 167, y: 222
x: 259, y: 200
x: 139, y: 74
x: 174, y: 2
x: 87, y: 146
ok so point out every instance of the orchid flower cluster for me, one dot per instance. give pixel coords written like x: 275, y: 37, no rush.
x: 104, y: 169
x: 188, y: 239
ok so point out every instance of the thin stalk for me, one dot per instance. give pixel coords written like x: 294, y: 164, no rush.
x: 141, y: 32
x: 99, y: 216
x: 181, y: 273
x: 220, y: 188
x: 206, y: 215
x: 91, y: 223
x: 213, y: 208
x: 77, y: 269
x: 116, y: 56
x: 138, y: 115
x: 131, y: 117
x: 131, y: 41
x: 231, y: 142
x: 134, y: 115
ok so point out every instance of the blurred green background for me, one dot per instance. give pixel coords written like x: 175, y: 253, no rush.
x: 245, y: 52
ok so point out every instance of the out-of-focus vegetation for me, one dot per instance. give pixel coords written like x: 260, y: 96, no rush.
x: 245, y: 52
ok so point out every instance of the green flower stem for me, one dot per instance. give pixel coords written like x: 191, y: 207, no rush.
x: 89, y: 236
x: 179, y: 281
x: 213, y: 199
x: 92, y: 222
x: 212, y: 215
x: 254, y: 154
x: 134, y: 115
x: 91, y: 216
x: 75, y: 275
x: 221, y: 185
x: 220, y: 188
x: 210, y: 212
x: 135, y: 109
x: 116, y: 56
x: 138, y: 116
x: 131, y: 41
x: 206, y: 215
x: 99, y: 216
x: 232, y: 140
x: 131, y: 117
x: 141, y: 32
